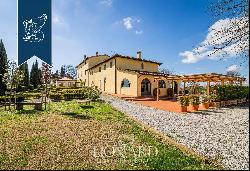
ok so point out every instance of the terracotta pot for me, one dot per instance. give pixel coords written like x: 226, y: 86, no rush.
x: 211, y: 104
x: 222, y: 103
x: 217, y: 104
x: 233, y: 102
x: 205, y: 105
x: 244, y: 100
x: 194, y: 107
x: 183, y: 108
x: 228, y: 103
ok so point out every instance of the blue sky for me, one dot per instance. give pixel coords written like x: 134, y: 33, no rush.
x: 161, y: 29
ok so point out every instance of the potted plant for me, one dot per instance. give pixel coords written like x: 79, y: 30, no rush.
x: 214, y: 100
x: 205, y: 100
x: 194, y: 102
x: 184, y: 102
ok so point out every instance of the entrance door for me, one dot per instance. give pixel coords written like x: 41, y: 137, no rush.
x: 145, y: 87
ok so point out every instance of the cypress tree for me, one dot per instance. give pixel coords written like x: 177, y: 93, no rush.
x: 35, y: 75
x: 25, y: 70
x: 63, y: 72
x: 3, y: 67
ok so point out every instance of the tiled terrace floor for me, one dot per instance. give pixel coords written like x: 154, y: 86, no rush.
x: 163, y: 104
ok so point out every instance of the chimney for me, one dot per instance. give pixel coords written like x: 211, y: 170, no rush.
x: 138, y: 55
x: 96, y: 54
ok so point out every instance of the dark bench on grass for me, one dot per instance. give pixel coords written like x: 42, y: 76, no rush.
x: 37, y: 105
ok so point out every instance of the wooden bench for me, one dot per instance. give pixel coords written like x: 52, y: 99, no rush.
x: 37, y: 105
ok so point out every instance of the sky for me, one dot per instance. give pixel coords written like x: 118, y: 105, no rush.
x: 164, y: 30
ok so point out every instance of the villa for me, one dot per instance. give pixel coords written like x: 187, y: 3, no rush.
x: 134, y: 76
x: 123, y: 75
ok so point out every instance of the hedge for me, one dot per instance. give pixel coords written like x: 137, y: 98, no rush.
x: 229, y: 92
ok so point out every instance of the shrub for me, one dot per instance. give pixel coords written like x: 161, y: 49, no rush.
x: 205, y: 98
x: 229, y: 92
x: 31, y: 95
x: 56, y: 96
x: 93, y: 93
x: 194, y: 100
x: 183, y: 100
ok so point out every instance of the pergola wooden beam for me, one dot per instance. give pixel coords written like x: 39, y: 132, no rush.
x: 212, y: 77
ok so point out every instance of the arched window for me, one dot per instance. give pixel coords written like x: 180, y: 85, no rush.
x: 125, y: 83
x: 162, y: 84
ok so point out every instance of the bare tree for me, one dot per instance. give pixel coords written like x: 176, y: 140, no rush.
x: 70, y: 71
x: 46, y: 76
x: 233, y: 73
x: 14, y: 76
x: 166, y: 71
x: 233, y: 34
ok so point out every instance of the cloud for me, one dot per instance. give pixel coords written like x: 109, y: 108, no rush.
x: 127, y: 22
x: 218, y: 36
x: 107, y: 3
x: 233, y: 68
x: 132, y: 23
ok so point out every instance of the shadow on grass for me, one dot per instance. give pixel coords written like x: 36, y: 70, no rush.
x: 76, y: 115
x: 28, y: 112
x: 86, y: 107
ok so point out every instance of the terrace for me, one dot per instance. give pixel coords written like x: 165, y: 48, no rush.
x: 171, y: 103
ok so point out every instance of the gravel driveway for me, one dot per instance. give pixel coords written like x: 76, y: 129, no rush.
x: 221, y: 134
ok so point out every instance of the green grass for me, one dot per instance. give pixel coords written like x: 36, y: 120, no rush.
x: 66, y: 134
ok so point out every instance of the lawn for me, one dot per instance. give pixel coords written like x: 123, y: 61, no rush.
x: 73, y: 136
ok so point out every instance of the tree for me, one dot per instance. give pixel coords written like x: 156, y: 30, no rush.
x: 3, y: 67
x: 14, y: 76
x: 62, y: 72
x: 70, y: 71
x: 55, y: 76
x: 233, y: 73
x: 25, y: 82
x: 46, y: 76
x: 230, y: 34
x: 35, y: 75
x: 166, y: 71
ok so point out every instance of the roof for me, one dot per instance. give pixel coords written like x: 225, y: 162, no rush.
x: 89, y: 58
x: 145, y: 72
x: 66, y: 79
x: 126, y: 57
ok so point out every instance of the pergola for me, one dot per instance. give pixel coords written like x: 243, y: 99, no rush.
x: 207, y: 77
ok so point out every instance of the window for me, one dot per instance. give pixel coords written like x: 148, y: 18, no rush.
x: 104, y: 67
x: 125, y: 83
x: 100, y: 69
x: 162, y: 84
x: 111, y: 64
x: 142, y: 66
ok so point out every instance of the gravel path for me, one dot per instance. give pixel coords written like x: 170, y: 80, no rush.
x: 221, y: 134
